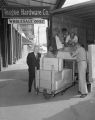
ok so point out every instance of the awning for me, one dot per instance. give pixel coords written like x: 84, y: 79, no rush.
x: 53, y: 4
x: 85, y: 11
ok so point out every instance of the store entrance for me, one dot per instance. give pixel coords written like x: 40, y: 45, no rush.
x: 30, y: 35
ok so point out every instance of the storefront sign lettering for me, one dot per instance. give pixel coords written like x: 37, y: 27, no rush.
x: 26, y: 21
x: 15, y: 12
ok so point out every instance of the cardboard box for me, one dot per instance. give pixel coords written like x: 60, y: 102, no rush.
x: 65, y: 55
x: 53, y: 80
x: 51, y: 63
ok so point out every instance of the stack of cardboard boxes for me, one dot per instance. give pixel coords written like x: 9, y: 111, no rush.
x: 52, y: 75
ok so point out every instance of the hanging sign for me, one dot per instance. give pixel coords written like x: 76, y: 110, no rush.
x: 26, y: 21
x: 24, y: 12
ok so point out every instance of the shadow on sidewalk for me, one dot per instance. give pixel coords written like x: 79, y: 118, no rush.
x: 84, y: 110
x: 14, y: 90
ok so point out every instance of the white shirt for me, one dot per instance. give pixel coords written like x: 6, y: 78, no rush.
x: 75, y: 39
x: 35, y: 54
x: 58, y: 42
x: 81, y: 54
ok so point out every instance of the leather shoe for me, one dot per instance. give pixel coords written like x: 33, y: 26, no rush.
x: 83, y: 95
x: 79, y: 92
x: 29, y: 90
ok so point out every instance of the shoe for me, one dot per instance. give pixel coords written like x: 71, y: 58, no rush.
x: 83, y: 95
x: 79, y: 92
x: 29, y: 91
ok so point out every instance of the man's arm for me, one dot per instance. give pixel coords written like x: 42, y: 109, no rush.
x: 27, y: 60
x: 74, y: 54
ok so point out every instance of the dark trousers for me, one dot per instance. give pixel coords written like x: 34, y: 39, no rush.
x: 31, y: 79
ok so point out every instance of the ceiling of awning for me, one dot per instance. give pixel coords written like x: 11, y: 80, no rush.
x: 53, y: 4
x: 85, y: 11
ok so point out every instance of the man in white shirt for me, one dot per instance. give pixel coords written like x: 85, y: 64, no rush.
x: 71, y: 39
x: 58, y: 43
x: 81, y: 56
x: 64, y: 34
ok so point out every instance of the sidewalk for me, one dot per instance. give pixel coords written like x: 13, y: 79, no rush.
x: 17, y: 104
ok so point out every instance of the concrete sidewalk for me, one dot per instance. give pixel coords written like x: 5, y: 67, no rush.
x: 17, y: 104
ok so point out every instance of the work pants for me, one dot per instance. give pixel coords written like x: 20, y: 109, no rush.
x: 82, y: 67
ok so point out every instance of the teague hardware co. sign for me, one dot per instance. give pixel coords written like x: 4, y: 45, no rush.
x: 24, y: 12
